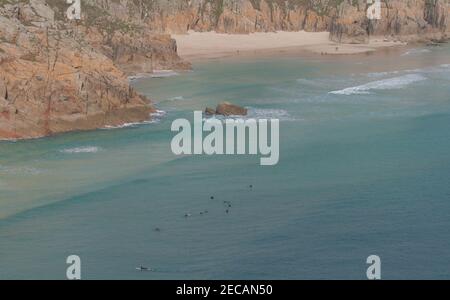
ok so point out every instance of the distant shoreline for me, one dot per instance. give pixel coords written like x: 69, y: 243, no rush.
x: 211, y: 45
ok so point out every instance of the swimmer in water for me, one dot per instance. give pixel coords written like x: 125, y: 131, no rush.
x: 142, y: 268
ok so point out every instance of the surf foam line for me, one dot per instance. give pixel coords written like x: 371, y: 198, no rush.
x: 155, y: 118
x: 87, y: 149
x: 385, y: 84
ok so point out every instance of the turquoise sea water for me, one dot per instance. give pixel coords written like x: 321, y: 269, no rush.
x: 364, y: 169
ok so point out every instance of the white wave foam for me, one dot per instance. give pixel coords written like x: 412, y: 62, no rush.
x: 176, y: 98
x: 20, y: 170
x: 155, y: 118
x: 87, y: 149
x: 13, y: 140
x: 382, y: 74
x: 258, y: 113
x: 432, y: 69
x: 125, y: 125
x: 163, y: 74
x: 139, y: 76
x: 158, y: 114
x: 415, y: 51
x: 385, y: 84
x: 155, y: 74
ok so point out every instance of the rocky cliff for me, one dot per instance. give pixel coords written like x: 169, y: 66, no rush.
x: 58, y: 75
x: 229, y: 16
x: 345, y: 19
x: 406, y: 20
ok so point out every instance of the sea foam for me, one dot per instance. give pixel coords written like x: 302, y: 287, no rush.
x: 176, y: 98
x: 156, y: 118
x: 87, y: 149
x: 22, y: 170
x: 155, y: 74
x: 385, y: 84
x: 267, y: 113
x: 415, y: 51
x: 158, y: 114
x: 163, y: 74
x: 258, y: 113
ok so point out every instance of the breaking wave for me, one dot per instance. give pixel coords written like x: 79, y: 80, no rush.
x: 382, y: 74
x: 259, y: 113
x: 87, y: 149
x: 415, y: 51
x: 385, y: 84
x: 20, y: 170
x: 155, y: 74
x: 156, y: 118
x: 158, y: 114
x: 176, y: 98
x: 163, y: 74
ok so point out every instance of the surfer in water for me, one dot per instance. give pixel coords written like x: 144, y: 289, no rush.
x: 142, y: 268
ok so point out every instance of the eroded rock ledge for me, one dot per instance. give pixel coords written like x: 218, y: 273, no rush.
x: 58, y: 76
x: 226, y: 108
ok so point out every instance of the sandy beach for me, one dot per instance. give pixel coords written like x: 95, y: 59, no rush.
x: 204, y: 45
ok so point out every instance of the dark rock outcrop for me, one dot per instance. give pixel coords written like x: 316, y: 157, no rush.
x: 58, y: 75
x: 210, y: 111
x: 229, y: 109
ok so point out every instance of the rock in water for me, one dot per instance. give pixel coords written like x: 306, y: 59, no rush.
x: 210, y: 111
x: 228, y: 109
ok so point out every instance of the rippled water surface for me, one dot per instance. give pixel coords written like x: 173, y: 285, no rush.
x: 364, y: 169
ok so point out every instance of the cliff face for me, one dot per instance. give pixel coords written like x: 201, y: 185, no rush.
x: 226, y: 16
x: 58, y: 76
x: 345, y: 19
x: 406, y: 20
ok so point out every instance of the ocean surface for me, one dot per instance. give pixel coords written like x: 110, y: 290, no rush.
x: 364, y: 169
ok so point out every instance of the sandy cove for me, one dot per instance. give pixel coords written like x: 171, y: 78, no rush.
x: 204, y: 45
